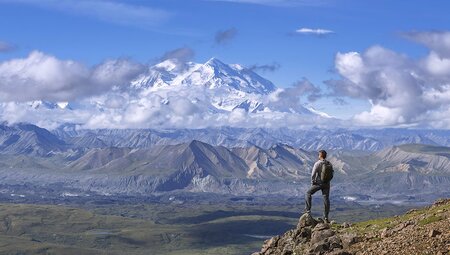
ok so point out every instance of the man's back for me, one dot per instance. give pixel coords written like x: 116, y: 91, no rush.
x: 317, y: 172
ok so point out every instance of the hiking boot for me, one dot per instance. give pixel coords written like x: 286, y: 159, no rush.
x: 325, y: 220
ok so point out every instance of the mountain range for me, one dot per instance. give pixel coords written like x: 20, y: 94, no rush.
x: 35, y: 155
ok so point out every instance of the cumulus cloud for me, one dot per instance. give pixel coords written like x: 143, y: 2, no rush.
x: 290, y: 99
x: 225, y: 36
x: 402, y: 91
x: 5, y: 47
x: 265, y: 67
x: 46, y: 77
x: 118, y: 12
x: 437, y: 41
x: 314, y: 31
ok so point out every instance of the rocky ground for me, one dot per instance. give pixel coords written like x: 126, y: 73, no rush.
x: 419, y: 231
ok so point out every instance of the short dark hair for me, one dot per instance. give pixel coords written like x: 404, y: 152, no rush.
x: 323, y: 153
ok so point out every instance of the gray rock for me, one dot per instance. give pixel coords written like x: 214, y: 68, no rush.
x: 318, y: 236
x: 349, y: 239
x: 346, y: 225
x: 306, y: 220
x: 271, y: 243
x: 305, y: 233
x: 321, y: 226
x: 319, y: 248
x: 335, y: 242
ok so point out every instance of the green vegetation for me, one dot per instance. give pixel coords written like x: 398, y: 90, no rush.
x: 387, y: 222
x: 430, y: 219
x: 155, y: 228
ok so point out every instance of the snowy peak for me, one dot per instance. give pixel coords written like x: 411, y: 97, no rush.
x: 215, y: 62
x: 216, y: 74
x: 42, y: 104
x: 213, y: 74
x: 168, y: 65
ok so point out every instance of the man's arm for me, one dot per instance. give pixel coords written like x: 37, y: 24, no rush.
x: 314, y: 172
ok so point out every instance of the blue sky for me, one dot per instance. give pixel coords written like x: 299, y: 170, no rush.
x: 262, y: 33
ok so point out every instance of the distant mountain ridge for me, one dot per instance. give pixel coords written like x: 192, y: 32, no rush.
x: 307, y: 139
x: 33, y: 155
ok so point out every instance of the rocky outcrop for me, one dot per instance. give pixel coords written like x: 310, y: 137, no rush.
x: 419, y: 231
x: 311, y: 236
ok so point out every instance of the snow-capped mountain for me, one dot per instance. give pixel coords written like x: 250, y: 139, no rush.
x: 174, y: 94
x: 213, y: 74
x: 49, y: 105
x: 228, y: 87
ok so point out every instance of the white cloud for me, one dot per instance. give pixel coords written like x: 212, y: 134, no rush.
x: 401, y: 90
x: 314, y: 31
x: 118, y: 12
x: 289, y: 99
x: 436, y: 65
x: 437, y: 41
x: 44, y: 77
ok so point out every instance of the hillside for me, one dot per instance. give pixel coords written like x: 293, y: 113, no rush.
x: 419, y: 231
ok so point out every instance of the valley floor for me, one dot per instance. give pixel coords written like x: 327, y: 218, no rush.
x: 176, y: 224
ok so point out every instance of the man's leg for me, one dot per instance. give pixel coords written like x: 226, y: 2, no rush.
x: 326, y: 200
x: 308, y: 197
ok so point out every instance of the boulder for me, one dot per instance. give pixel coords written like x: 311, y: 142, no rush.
x: 318, y: 236
x: 304, y: 233
x: 319, y: 248
x: 335, y: 242
x: 306, y: 220
x: 321, y: 226
x: 349, y: 239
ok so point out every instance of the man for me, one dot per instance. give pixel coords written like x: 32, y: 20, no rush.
x: 318, y: 184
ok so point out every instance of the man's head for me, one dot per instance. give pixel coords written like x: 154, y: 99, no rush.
x: 322, y: 154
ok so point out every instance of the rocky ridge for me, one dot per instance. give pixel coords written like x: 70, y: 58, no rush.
x: 419, y: 231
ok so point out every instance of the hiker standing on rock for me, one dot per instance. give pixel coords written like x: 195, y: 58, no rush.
x: 321, y: 175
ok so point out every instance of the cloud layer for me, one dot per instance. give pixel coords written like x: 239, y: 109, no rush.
x: 44, y: 77
x: 401, y: 90
x: 103, y: 96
